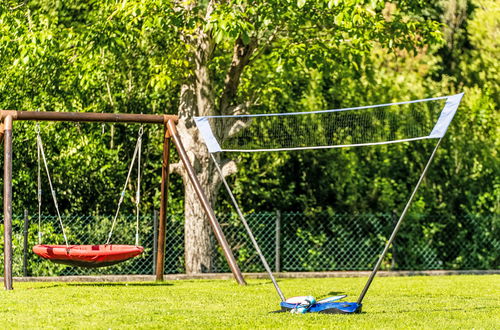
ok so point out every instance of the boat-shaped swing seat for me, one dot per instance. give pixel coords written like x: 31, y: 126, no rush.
x: 91, y: 256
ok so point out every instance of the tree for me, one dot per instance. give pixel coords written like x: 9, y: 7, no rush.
x: 225, y: 39
x: 203, y: 57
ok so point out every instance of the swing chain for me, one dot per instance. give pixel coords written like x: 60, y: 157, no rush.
x: 137, y: 154
x: 141, y: 132
x: 39, y: 185
x: 138, y: 191
x: 41, y: 153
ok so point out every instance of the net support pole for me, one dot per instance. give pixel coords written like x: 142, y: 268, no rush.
x: 249, y: 231
x: 398, y: 224
x: 7, y: 203
x: 228, y: 254
x: 165, y: 180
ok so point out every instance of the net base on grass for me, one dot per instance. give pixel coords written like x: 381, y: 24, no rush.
x: 90, y: 256
x: 327, y: 308
x: 330, y: 305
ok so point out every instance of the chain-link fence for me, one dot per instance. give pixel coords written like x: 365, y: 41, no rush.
x: 290, y: 242
x: 326, y: 242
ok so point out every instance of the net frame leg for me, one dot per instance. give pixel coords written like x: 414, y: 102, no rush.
x: 398, y: 224
x: 249, y: 230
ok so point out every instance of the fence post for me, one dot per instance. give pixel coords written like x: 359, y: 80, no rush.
x: 155, y: 239
x: 393, y: 261
x: 25, y: 243
x: 277, y: 251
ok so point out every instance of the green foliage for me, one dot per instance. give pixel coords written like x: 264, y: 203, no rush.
x: 480, y: 65
x: 82, y: 57
x: 127, y: 57
x: 464, y: 176
x: 134, y: 56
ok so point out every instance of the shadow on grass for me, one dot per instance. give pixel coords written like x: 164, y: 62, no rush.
x: 260, y: 283
x: 99, y: 284
x: 437, y: 310
x: 119, y: 284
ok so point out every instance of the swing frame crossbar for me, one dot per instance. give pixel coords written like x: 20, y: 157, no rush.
x: 7, y: 117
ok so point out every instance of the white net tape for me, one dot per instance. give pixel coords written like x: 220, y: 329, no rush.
x: 367, y: 125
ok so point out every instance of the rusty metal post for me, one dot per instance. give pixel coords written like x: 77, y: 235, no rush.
x: 7, y: 203
x: 165, y: 169
x: 219, y: 234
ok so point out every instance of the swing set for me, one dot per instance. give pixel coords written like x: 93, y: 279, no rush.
x: 105, y: 254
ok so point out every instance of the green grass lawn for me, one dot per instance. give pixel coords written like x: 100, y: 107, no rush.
x: 392, y: 302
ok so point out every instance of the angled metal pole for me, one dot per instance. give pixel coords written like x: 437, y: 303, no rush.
x: 219, y: 234
x: 7, y: 203
x: 249, y: 231
x: 398, y: 224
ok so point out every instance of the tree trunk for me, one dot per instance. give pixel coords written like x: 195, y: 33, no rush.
x: 197, y: 98
x: 197, y: 230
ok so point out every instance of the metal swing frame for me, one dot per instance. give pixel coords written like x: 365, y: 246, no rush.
x: 7, y: 117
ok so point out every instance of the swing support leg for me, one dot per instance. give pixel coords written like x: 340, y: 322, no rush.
x: 165, y: 169
x: 7, y: 202
x: 219, y: 234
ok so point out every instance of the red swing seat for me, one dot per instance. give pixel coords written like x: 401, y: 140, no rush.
x: 91, y: 256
